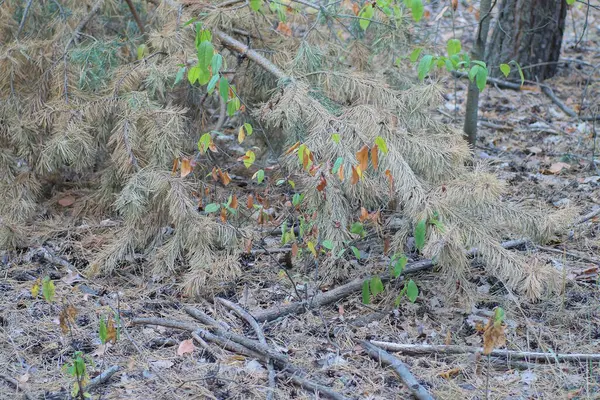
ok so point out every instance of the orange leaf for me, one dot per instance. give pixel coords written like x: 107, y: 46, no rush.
x: 305, y: 158
x: 234, y: 202
x: 363, y: 158
x: 294, y: 249
x: 111, y: 331
x: 355, y: 8
x: 355, y: 175
x: 493, y: 337
x: 187, y: 346
x: 250, y: 201
x: 322, y: 184
x: 214, y: 174
x: 375, y: 156
x: 388, y: 173
x: 364, y: 214
x: 454, y: 4
x: 291, y: 149
x: 223, y: 215
x: 341, y: 173
x: 186, y: 167
x: 212, y: 146
x: 284, y: 29
x: 449, y: 373
x: 224, y: 177
x: 67, y: 201
x: 175, y: 166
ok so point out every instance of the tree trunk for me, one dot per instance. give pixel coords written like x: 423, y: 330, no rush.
x: 529, y: 32
x: 477, y: 52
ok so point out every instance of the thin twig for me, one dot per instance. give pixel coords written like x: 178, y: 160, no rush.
x: 547, y: 90
x: 261, y: 338
x: 102, y: 378
x: 23, y: 18
x: 138, y: 21
x: 400, y: 368
x: 454, y: 349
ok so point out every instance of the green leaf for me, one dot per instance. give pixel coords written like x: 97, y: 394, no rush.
x: 399, y: 265
x: 255, y: 5
x: 505, y: 68
x: 190, y: 21
x: 179, y: 76
x: 260, y: 176
x: 206, y: 52
x: 193, y: 74
x: 216, y: 63
x: 356, y: 252
x: 212, y: 83
x: 398, y: 300
x: 232, y: 106
x: 366, y: 14
x: 420, y: 231
x: 380, y: 142
x: 481, y: 78
x: 336, y: 138
x: 142, y: 51
x: 212, y: 207
x: 204, y: 76
x: 328, y: 244
x: 480, y: 63
x: 520, y: 71
x: 424, y: 66
x: 297, y: 199
x: 280, y: 182
x: 224, y: 88
x: 376, y: 285
x: 204, y: 142
x: 102, y: 331
x: 454, y: 47
x: 412, y: 291
x: 473, y: 72
x: 357, y: 228
x: 48, y: 289
x: 205, y: 35
x: 417, y: 9
x: 570, y: 2
x: 366, y: 295
x: 337, y: 165
x: 414, y: 55
x: 292, y: 183
x: 248, y: 129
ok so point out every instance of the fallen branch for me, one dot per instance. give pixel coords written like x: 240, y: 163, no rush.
x: 16, y: 385
x: 588, y: 216
x: 547, y: 90
x: 569, y: 254
x: 454, y: 349
x: 295, y: 374
x: 261, y: 338
x: 400, y: 368
x: 340, y: 292
x: 102, y: 378
x: 136, y: 17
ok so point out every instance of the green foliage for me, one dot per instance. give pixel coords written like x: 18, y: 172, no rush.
x: 77, y: 368
x: 420, y: 232
x: 212, y: 207
x: 48, y: 290
x: 366, y: 14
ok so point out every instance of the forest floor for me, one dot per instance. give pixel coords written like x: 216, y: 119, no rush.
x: 526, y: 138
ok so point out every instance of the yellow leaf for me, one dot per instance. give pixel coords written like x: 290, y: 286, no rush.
x: 35, y: 289
x: 311, y: 247
x: 241, y: 134
x: 111, y: 331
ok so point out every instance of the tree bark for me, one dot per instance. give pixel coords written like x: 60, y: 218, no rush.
x: 529, y: 32
x: 477, y: 53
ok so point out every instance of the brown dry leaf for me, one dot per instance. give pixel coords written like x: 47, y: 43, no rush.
x: 111, y: 331
x: 305, y: 158
x: 225, y: 178
x: 223, y: 215
x: 556, y: 168
x: 341, y: 173
x: 355, y: 176
x: 388, y: 173
x: 375, y: 156
x: 175, y: 167
x: 322, y: 184
x: 364, y: 214
x: 66, y: 201
x: 284, y: 29
x: 234, y: 202
x: 448, y: 340
x: 250, y: 201
x: 214, y: 174
x: 454, y: 4
x: 291, y: 149
x: 386, y: 245
x: 186, y: 167
x: 294, y: 249
x: 66, y: 318
x: 493, y: 337
x: 450, y: 373
x: 363, y: 158
x: 187, y: 346
x: 355, y: 8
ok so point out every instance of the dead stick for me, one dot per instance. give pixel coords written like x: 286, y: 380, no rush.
x: 103, y: 377
x: 261, y: 338
x: 315, y: 387
x: 453, y: 349
x: 400, y: 368
x: 340, y: 292
x: 138, y: 21
x: 547, y: 90
x: 23, y: 18
x: 588, y: 216
x: 17, y: 386
x: 205, y: 346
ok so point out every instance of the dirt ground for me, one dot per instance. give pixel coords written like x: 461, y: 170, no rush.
x: 526, y: 138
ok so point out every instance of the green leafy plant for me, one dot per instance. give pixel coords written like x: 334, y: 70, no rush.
x: 77, y: 368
